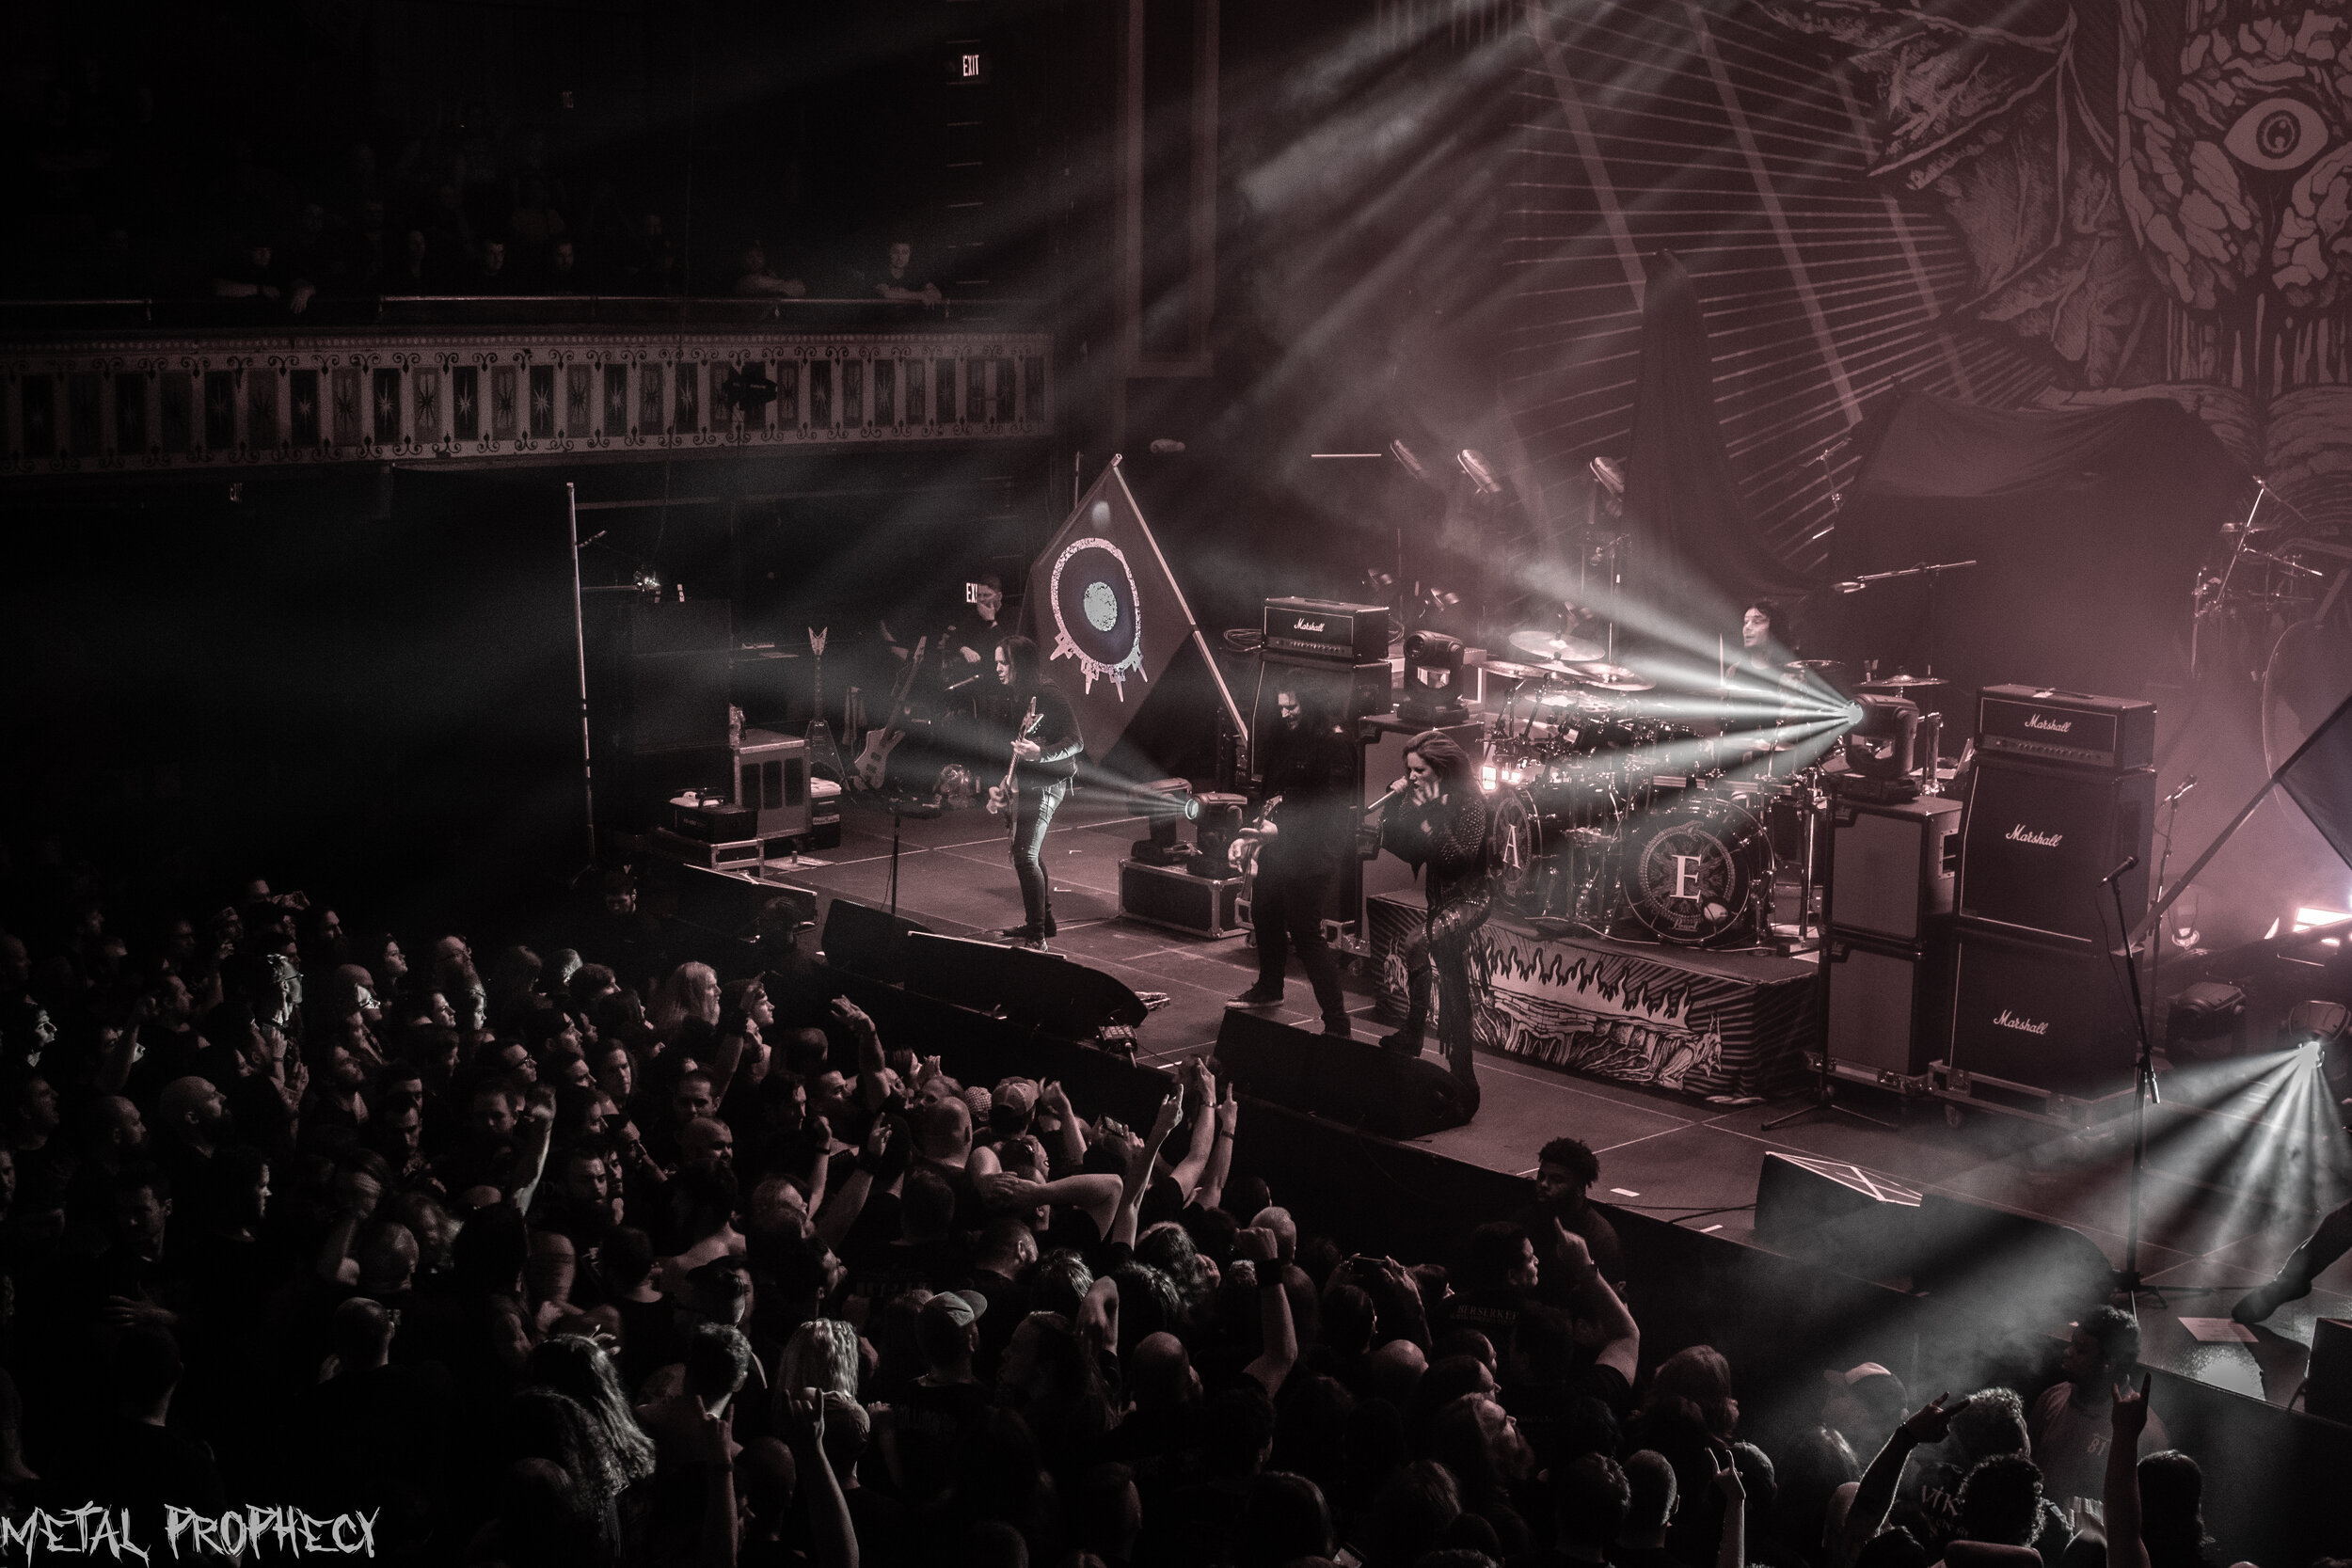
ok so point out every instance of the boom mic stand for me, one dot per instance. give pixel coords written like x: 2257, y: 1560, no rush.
x: 2143, y: 1091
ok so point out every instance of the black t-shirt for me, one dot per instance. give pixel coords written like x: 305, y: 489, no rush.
x: 1313, y: 771
x: 884, y: 1271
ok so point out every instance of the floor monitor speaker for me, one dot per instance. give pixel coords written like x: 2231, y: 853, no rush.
x: 1347, y: 1081
x: 867, y: 941
x: 1057, y: 995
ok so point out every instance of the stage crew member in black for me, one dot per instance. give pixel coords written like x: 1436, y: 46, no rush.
x: 1046, y: 749
x: 1437, y: 825
x: 1309, y: 828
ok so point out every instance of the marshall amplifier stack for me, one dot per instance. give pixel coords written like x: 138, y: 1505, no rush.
x: 2064, y: 792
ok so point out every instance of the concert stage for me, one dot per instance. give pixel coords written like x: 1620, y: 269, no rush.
x: 2215, y: 1223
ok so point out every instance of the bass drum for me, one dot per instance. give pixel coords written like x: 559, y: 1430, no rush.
x: 1692, y: 873
x: 1517, y: 839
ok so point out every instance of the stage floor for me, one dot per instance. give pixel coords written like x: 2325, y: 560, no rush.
x: 2228, y: 1193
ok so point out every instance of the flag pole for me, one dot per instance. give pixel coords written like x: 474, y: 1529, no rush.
x: 2342, y: 714
x: 1200, y: 639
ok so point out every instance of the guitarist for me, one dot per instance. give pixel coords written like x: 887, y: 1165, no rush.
x: 1044, y: 760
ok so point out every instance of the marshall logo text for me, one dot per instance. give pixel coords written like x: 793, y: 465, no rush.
x: 2056, y: 726
x: 2024, y: 1026
x: 2022, y: 834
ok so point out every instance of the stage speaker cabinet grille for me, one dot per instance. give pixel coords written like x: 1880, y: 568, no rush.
x: 2037, y: 841
x: 1891, y: 867
x: 2039, y: 1018
x: 1886, y: 1014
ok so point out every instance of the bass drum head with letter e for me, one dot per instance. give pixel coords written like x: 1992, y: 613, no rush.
x: 1692, y: 871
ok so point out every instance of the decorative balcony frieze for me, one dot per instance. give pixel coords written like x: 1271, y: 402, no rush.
x: 472, y: 398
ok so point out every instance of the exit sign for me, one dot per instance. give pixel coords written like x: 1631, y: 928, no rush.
x: 967, y: 62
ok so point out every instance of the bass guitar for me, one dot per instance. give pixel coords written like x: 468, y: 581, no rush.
x: 873, y: 764
x: 1002, y: 797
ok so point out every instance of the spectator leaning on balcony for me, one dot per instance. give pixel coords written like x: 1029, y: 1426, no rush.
x: 754, y: 276
x: 252, y: 273
x: 900, y: 283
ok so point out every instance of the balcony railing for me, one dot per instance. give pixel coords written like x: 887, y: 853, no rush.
x: 612, y: 379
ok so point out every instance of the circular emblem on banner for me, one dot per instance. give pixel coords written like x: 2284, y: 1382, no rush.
x: 1097, y: 620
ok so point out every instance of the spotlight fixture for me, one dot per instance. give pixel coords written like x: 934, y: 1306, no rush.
x: 1610, y: 473
x: 2324, y: 1030
x: 1412, y: 464
x: 1884, y: 732
x: 1481, y: 476
x: 1432, y: 678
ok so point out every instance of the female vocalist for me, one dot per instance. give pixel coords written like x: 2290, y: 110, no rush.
x: 1438, y: 827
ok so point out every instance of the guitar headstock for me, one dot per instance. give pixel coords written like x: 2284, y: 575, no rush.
x: 817, y: 636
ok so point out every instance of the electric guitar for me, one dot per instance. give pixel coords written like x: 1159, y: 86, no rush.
x: 873, y: 763
x: 1002, y: 797
x: 824, y: 757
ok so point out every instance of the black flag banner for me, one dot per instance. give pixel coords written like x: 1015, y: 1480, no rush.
x: 2319, y: 778
x: 1106, y: 613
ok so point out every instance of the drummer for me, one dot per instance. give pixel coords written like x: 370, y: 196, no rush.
x: 1763, y: 629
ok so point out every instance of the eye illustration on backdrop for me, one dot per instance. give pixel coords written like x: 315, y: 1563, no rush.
x: 2276, y: 135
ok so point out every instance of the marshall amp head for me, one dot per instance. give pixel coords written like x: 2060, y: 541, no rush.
x: 2110, y: 733
x: 1326, y: 630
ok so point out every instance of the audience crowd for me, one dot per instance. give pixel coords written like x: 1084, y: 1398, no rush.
x: 121, y: 207
x: 585, y: 1257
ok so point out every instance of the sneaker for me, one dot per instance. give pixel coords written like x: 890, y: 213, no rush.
x: 1257, y: 996
x: 1018, y: 934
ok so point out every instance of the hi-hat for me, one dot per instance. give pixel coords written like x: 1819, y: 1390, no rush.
x: 1906, y: 681
x: 1809, y: 664
x: 1573, y: 650
x: 1613, y: 677
x: 1502, y: 668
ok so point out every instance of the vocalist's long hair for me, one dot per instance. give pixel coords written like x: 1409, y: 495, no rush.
x: 1444, y: 755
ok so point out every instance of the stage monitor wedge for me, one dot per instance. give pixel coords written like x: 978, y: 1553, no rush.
x: 865, y: 940
x: 1347, y: 1081
x: 1059, y: 996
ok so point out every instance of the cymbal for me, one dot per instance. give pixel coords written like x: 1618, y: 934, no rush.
x: 1575, y: 650
x: 1614, y: 678
x: 1502, y: 668
x: 1907, y: 681
x: 1809, y: 664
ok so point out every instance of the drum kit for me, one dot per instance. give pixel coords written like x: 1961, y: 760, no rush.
x: 1607, y: 817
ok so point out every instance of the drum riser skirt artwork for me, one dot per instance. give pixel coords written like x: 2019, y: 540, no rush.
x: 1712, y: 1025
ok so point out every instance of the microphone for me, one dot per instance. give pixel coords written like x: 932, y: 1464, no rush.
x: 1850, y: 587
x: 2186, y: 785
x: 2129, y: 860
x: 594, y: 537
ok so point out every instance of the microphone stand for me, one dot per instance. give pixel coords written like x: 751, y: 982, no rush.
x: 2143, y: 1091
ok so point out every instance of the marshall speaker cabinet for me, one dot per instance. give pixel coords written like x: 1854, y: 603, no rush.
x: 2039, y: 838
x: 1891, y: 867
x: 1885, y: 1017
x: 2038, y: 1018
